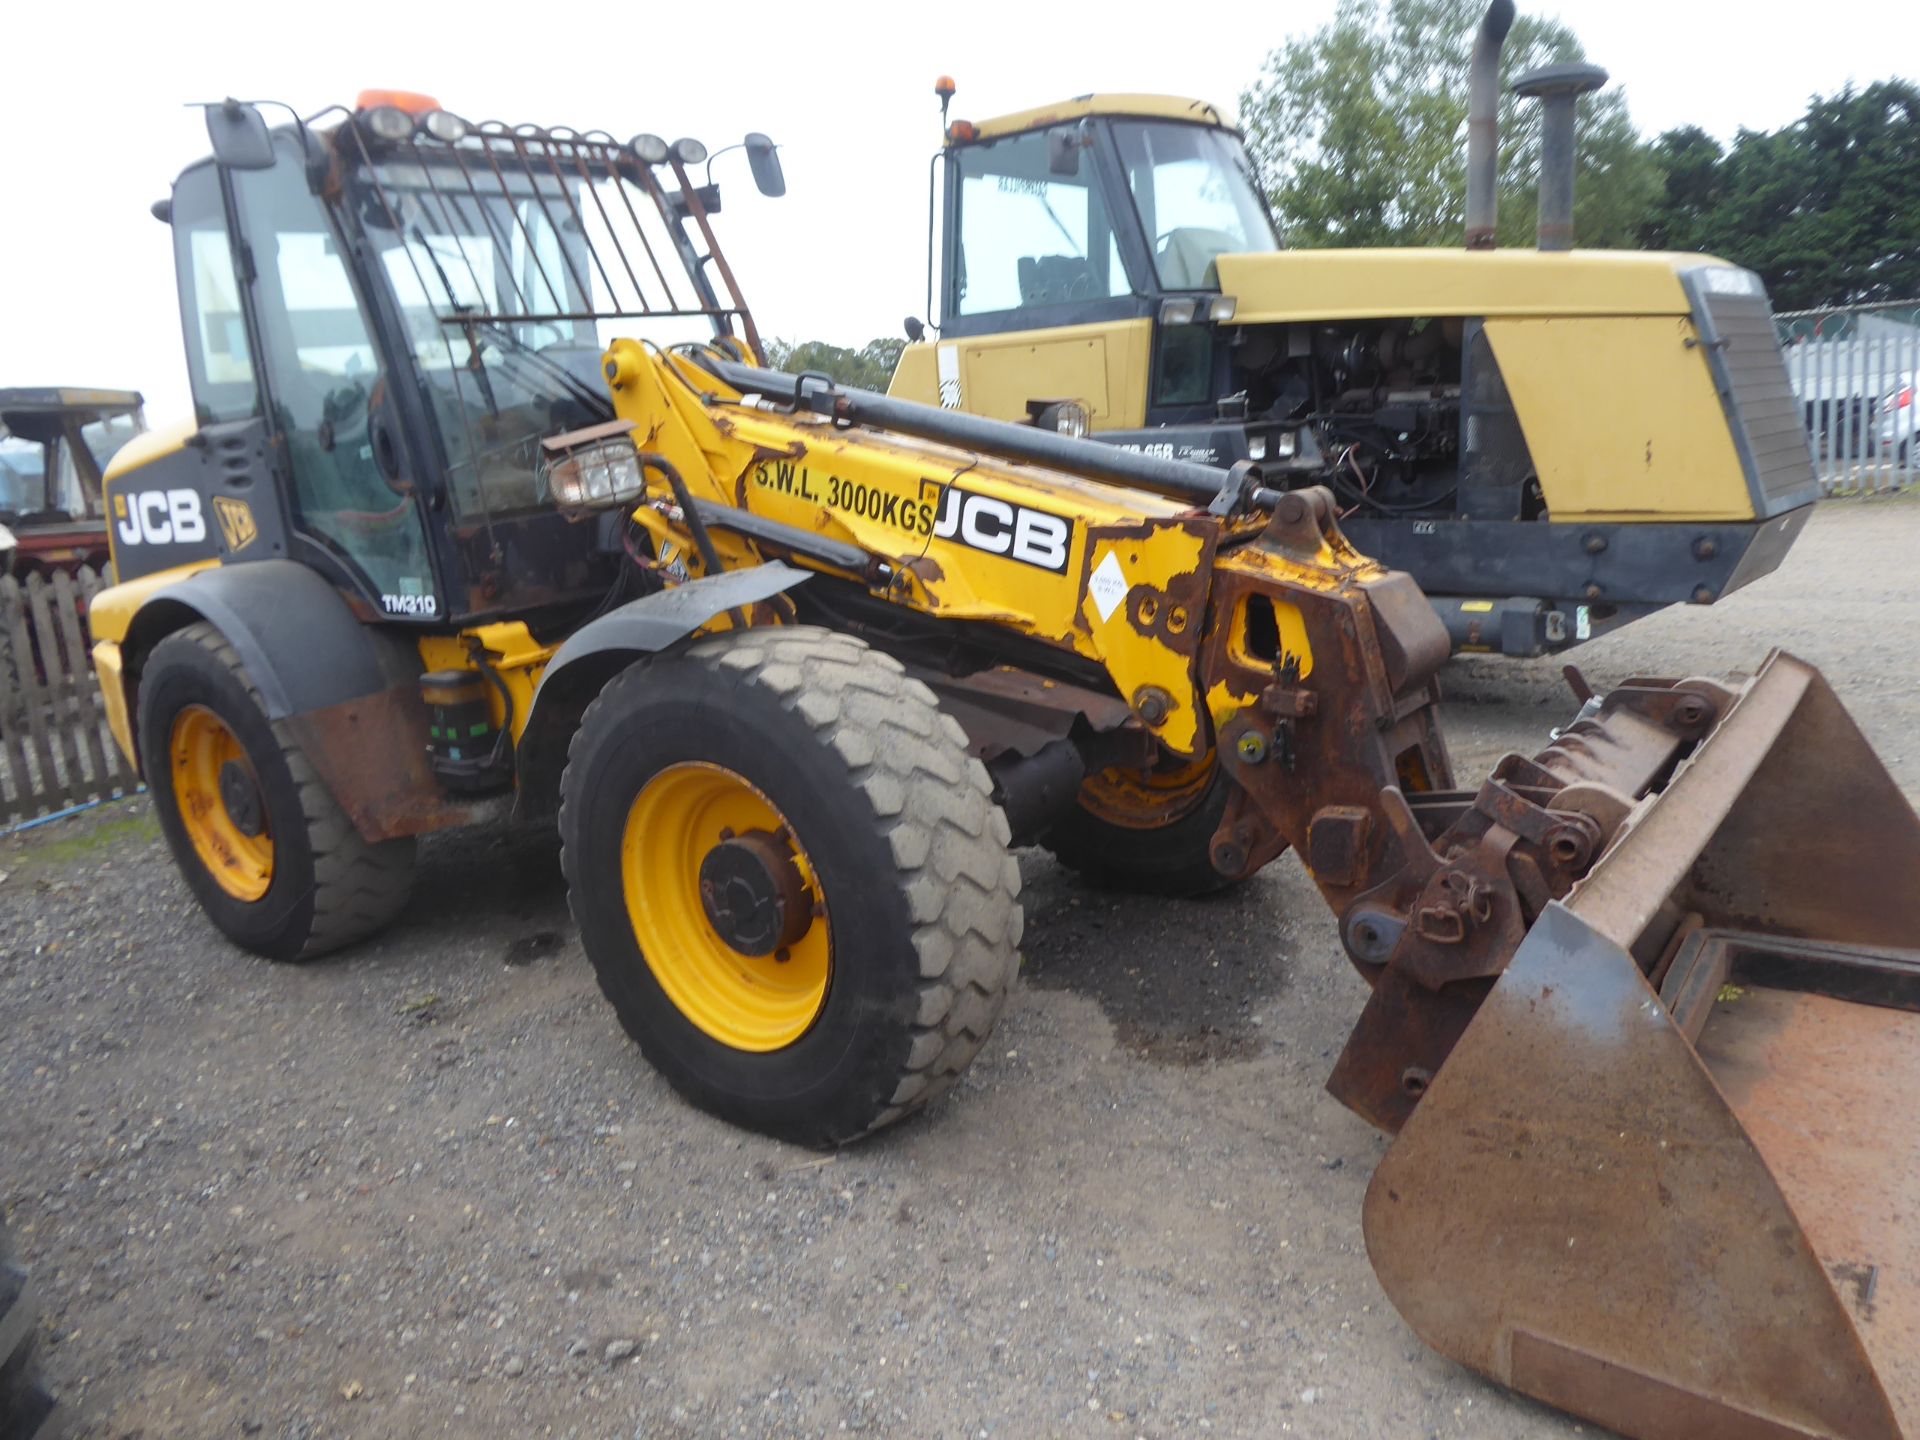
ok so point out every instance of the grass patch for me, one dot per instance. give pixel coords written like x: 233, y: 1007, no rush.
x: 84, y: 836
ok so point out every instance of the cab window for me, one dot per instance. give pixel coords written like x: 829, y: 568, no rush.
x: 219, y: 360
x: 1195, y: 194
x: 1033, y: 226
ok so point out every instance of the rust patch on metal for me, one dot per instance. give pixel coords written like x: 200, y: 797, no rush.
x: 1576, y: 1210
x: 371, y: 754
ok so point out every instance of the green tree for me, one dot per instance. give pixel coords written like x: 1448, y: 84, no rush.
x: 1826, y: 209
x: 868, y: 368
x: 1358, y: 132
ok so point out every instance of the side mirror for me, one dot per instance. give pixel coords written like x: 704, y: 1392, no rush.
x: 1063, y: 151
x: 916, y: 329
x: 239, y: 136
x: 763, y: 157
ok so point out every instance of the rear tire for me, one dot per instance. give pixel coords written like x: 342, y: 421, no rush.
x: 325, y: 885
x: 871, y: 786
x: 1173, y: 859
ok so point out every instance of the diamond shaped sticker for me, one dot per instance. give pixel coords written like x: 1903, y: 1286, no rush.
x: 1108, y: 586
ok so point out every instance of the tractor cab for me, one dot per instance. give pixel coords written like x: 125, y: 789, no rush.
x: 386, y: 310
x: 55, y: 443
x: 1078, y: 262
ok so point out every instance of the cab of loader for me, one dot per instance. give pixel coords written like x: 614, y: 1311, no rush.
x: 1552, y: 442
x: 386, y: 310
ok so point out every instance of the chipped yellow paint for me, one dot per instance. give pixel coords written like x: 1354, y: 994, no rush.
x: 1288, y: 622
x: 1124, y: 641
x: 964, y: 536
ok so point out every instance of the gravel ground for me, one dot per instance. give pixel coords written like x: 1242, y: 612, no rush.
x: 427, y: 1187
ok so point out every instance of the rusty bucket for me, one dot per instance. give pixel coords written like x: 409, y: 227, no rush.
x: 1669, y: 1178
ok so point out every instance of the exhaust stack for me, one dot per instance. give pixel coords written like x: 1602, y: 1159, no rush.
x: 1483, y: 125
x: 1558, y: 88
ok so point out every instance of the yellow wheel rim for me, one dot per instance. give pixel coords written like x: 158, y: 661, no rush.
x: 1149, y: 801
x: 221, y: 803
x: 726, y: 907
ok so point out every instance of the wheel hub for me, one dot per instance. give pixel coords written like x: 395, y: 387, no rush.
x: 754, y: 895
x: 241, y: 797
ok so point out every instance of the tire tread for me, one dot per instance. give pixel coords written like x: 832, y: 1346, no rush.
x: 930, y: 803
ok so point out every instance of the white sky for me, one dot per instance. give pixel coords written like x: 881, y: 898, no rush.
x: 94, y: 129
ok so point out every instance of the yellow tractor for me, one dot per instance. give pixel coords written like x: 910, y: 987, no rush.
x: 1552, y: 442
x: 795, y: 667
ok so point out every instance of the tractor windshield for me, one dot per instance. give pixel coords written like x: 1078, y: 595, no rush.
x: 513, y: 259
x: 1195, y: 192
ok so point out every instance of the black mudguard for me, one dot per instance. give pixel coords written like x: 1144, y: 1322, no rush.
x: 599, y: 650
x: 303, y: 646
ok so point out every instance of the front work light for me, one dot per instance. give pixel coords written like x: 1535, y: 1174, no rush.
x: 1064, y: 417
x: 689, y: 151
x: 650, y: 149
x: 592, y: 469
x: 389, y: 122
x: 445, y: 126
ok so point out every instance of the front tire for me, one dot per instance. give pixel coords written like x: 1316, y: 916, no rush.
x: 265, y: 847
x: 791, y: 880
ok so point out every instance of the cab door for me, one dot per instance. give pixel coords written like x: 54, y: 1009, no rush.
x: 1044, y: 299
x: 354, y: 501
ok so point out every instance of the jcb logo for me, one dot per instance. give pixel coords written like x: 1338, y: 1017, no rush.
x: 236, y: 522
x: 159, y: 517
x: 1000, y: 527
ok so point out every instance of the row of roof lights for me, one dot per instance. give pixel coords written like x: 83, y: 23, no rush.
x: 394, y: 116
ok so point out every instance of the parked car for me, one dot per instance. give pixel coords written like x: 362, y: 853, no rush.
x: 1897, y: 422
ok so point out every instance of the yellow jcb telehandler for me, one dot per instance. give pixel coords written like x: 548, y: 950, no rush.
x: 796, y: 666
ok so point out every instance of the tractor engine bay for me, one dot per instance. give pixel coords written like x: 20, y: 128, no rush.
x: 1372, y: 409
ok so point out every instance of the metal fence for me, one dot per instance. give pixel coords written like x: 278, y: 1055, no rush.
x: 55, y: 747
x: 1854, y: 371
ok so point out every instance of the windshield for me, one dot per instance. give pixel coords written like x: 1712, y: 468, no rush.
x: 1197, y: 201
x: 512, y: 272
x: 106, y: 436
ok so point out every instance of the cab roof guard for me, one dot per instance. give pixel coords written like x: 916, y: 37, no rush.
x: 583, y: 184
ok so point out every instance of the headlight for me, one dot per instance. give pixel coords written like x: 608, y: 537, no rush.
x: 389, y: 122
x: 650, y: 149
x: 444, y: 125
x: 1178, y: 310
x: 592, y: 469
x: 1066, y: 417
x: 689, y: 151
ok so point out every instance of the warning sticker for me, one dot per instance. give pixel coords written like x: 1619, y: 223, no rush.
x: 1108, y: 586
